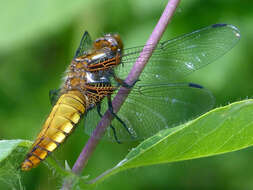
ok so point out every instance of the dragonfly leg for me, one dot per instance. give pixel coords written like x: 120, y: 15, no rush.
x: 117, y: 117
x: 114, y: 134
x: 113, y: 128
x: 123, y: 83
x: 99, y: 110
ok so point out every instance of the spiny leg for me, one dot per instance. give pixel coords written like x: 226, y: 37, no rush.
x: 123, y: 83
x: 99, y: 110
x: 113, y: 128
x: 115, y: 115
x: 114, y: 134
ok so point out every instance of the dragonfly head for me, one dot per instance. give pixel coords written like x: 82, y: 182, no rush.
x: 110, y: 41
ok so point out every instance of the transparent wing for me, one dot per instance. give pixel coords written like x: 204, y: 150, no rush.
x: 150, y: 108
x: 54, y: 95
x: 85, y: 44
x: 180, y: 56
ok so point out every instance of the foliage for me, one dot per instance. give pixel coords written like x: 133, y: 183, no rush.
x: 221, y: 130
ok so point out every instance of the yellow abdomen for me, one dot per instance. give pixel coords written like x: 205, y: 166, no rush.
x: 65, y: 114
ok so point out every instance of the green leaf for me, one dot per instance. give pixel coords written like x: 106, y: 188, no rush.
x: 12, y: 152
x: 221, y: 130
x: 11, y: 155
x: 7, y: 147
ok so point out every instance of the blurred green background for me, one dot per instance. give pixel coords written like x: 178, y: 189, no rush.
x: 37, y: 42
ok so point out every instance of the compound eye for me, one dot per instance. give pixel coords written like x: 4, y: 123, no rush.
x: 119, y: 41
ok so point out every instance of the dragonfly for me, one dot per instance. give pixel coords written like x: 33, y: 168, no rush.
x: 158, y: 100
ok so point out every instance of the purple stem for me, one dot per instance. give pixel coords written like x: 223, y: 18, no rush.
x: 123, y: 92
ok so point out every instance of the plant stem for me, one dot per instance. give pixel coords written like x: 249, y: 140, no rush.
x: 123, y: 92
